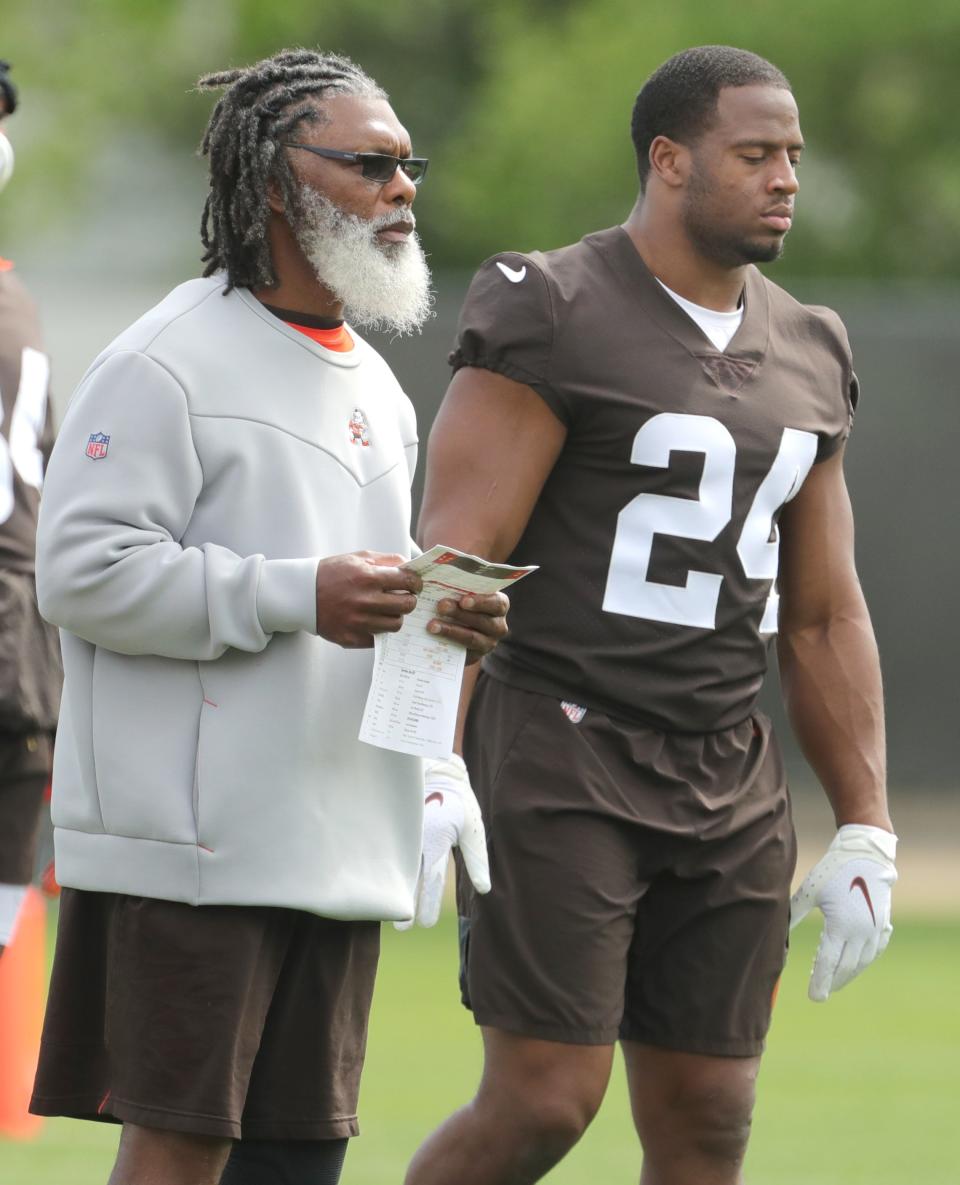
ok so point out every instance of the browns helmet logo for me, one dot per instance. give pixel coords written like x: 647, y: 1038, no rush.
x: 359, y: 429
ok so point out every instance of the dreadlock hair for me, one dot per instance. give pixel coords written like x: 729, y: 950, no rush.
x: 263, y: 105
x: 679, y: 99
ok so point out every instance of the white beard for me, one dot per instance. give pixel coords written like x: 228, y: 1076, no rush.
x: 383, y: 286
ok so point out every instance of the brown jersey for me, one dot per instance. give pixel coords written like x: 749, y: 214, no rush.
x: 26, y: 430
x: 656, y: 532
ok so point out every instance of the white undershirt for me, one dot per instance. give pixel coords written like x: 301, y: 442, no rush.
x: 719, y: 327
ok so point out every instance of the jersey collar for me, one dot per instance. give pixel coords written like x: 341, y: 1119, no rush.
x: 748, y: 344
x: 335, y: 357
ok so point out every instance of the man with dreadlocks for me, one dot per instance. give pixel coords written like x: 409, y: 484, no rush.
x: 29, y: 655
x: 228, y: 847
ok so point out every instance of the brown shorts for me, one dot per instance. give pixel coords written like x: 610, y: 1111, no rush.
x: 234, y: 1021
x: 24, y: 774
x: 641, y: 880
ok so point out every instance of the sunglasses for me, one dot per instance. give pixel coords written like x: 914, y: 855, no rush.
x: 374, y: 166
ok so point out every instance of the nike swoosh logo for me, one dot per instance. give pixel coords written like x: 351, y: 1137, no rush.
x: 436, y: 796
x: 512, y: 274
x: 859, y: 883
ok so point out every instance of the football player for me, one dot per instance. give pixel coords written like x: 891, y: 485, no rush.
x: 29, y: 652
x: 661, y: 429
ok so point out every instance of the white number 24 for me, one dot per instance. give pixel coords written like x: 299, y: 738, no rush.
x: 26, y: 427
x: 629, y: 589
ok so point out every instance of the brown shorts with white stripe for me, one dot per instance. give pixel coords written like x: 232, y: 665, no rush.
x: 233, y: 1021
x: 641, y: 880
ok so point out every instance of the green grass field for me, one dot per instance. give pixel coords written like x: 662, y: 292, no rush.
x: 864, y: 1089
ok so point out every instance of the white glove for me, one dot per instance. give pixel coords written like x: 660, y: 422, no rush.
x: 451, y: 818
x: 852, y: 884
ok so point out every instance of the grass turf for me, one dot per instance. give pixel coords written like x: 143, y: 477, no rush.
x: 863, y: 1089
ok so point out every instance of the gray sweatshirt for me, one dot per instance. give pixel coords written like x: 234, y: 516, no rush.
x: 207, y: 749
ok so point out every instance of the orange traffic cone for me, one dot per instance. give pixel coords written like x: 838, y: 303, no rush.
x: 22, y: 967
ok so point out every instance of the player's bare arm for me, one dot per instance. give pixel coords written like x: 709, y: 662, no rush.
x: 831, y: 678
x: 829, y: 667
x: 483, y: 508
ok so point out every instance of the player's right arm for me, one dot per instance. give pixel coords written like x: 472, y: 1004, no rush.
x: 110, y: 565
x: 492, y: 447
x: 496, y: 438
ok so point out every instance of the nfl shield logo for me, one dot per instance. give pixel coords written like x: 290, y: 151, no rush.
x: 97, y: 445
x: 573, y: 712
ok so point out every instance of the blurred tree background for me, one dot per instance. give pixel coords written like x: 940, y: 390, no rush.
x: 524, y: 108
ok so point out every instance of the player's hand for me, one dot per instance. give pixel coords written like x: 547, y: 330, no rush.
x: 477, y: 621
x: 451, y: 819
x: 852, y: 885
x: 362, y: 594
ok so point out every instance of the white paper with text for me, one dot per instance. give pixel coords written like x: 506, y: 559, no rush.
x: 415, y: 689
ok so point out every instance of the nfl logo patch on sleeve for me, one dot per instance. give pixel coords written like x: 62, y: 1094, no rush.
x: 97, y: 446
x: 573, y: 712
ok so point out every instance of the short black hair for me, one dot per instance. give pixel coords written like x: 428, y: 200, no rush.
x: 263, y: 105
x: 680, y: 98
x: 7, y: 90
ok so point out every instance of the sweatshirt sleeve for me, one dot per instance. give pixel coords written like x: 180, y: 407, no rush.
x: 119, y: 493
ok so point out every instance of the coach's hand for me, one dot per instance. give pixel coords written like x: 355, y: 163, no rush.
x: 362, y: 594
x: 451, y: 819
x: 477, y: 621
x: 852, y: 885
